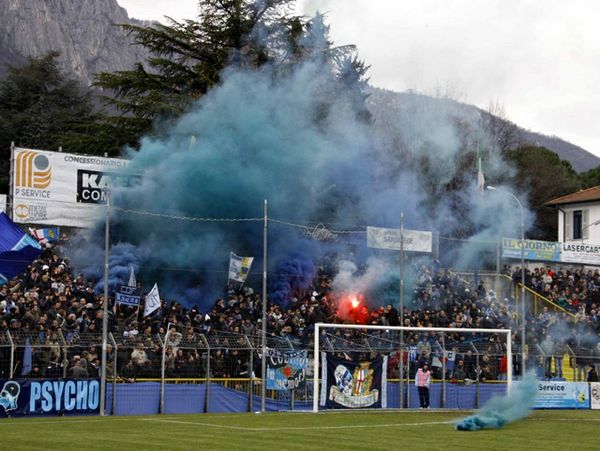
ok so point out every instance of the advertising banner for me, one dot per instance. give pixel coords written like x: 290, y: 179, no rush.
x: 595, y: 395
x: 32, y: 397
x: 578, y: 252
x: 62, y: 189
x: 414, y: 240
x: 286, y: 370
x: 354, y: 384
x: 562, y: 395
x: 534, y: 250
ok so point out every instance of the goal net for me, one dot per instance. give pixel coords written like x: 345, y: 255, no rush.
x: 387, y: 367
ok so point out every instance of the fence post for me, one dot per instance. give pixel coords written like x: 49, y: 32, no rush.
x: 250, y: 375
x: 114, y: 379
x: 63, y: 344
x: 443, y: 372
x: 12, y: 355
x: 162, y: 368
x: 206, y: 392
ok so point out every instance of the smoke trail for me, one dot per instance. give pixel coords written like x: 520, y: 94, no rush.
x: 298, y: 140
x: 502, y: 410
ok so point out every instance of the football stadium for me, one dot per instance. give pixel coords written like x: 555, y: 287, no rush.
x: 250, y: 247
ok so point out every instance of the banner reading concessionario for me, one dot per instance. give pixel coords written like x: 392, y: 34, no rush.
x: 62, y: 189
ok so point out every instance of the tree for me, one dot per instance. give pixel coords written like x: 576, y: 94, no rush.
x: 590, y: 178
x: 545, y: 176
x: 187, y: 60
x: 38, y: 105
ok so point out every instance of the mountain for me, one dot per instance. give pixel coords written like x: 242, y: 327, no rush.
x: 404, y: 115
x: 84, y: 31
x: 86, y: 34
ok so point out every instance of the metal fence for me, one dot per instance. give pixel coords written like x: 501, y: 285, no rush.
x: 233, y: 361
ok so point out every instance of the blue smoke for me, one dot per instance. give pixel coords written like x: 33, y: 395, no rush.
x: 299, y: 141
x: 502, y: 410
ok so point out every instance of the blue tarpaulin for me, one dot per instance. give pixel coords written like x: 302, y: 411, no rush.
x: 17, y: 249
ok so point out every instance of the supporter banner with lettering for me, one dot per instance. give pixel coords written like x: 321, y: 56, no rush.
x: 354, y: 384
x: 286, y: 370
x: 534, y: 250
x: 595, y: 395
x: 128, y: 296
x: 578, y: 252
x: 414, y: 240
x: 33, y: 397
x: 62, y: 189
x: 562, y: 395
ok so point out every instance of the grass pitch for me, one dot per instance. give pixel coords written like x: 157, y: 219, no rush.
x: 430, y: 430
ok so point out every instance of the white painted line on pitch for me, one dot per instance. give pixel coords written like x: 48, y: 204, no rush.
x: 30, y: 421
x: 295, y: 428
x: 563, y: 419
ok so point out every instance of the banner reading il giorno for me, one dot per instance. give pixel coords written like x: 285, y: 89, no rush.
x: 354, y: 385
x: 63, y: 189
x: 414, y: 240
x: 31, y: 397
x: 534, y: 250
x: 286, y: 370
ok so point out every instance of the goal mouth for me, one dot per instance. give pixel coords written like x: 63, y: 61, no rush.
x: 358, y: 367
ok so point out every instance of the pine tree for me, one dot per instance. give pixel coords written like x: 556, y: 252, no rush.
x: 38, y: 105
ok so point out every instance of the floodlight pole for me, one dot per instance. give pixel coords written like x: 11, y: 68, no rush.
x: 263, y: 388
x: 105, y: 305
x: 401, y: 310
x: 523, y: 320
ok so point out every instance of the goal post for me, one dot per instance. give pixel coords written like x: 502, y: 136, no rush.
x: 327, y: 335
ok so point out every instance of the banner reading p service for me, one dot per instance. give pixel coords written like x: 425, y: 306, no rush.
x: 63, y: 189
x: 35, y: 397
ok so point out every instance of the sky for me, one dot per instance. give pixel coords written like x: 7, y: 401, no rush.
x: 538, y: 59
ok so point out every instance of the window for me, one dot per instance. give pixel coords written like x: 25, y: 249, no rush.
x: 577, y: 224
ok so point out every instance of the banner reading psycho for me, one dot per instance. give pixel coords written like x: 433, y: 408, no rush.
x: 31, y: 397
x: 62, y: 189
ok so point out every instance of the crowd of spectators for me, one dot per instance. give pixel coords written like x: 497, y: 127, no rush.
x: 50, y: 303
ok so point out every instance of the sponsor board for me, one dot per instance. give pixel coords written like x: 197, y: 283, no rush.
x: 31, y: 397
x: 595, y: 395
x: 562, y: 395
x: 533, y: 249
x: 57, y: 188
x: 409, y: 240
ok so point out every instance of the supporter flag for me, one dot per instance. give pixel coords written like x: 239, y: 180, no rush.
x: 45, y: 236
x: 239, y: 267
x: 132, y: 282
x: 152, y: 301
x: 17, y: 249
x: 480, y: 177
x: 450, y: 356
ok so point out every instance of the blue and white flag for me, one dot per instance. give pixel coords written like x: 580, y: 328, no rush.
x: 152, y: 301
x: 17, y: 249
x: 129, y: 294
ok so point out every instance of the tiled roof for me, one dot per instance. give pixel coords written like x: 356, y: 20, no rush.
x: 583, y: 195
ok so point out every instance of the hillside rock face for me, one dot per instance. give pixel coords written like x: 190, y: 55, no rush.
x: 85, y: 32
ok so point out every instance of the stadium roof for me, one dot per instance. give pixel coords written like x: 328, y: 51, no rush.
x: 583, y: 195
